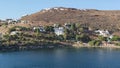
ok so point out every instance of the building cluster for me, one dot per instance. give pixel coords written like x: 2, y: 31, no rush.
x: 104, y: 33
x: 59, y: 30
x: 12, y: 21
x: 56, y: 9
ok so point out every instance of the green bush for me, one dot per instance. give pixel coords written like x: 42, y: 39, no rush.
x: 11, y: 29
x: 115, y: 38
x: 18, y: 27
x: 49, y: 28
x: 95, y: 43
x: 73, y: 27
x: 92, y: 43
x: 83, y: 38
x: 118, y: 44
x: 60, y: 37
x: 102, y: 38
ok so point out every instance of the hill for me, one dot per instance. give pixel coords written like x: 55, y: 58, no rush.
x: 96, y: 19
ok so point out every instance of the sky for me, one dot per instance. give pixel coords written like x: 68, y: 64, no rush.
x: 15, y: 9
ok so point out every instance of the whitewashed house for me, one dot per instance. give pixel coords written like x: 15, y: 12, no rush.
x: 24, y: 21
x: 59, y: 31
x: 41, y: 29
x: 9, y: 21
x: 14, y: 32
x: 14, y: 22
x: 104, y: 33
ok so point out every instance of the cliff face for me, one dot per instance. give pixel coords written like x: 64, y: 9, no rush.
x: 102, y: 19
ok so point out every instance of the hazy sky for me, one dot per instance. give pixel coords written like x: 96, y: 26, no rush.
x: 17, y: 8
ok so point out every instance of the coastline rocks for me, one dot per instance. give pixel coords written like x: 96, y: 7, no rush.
x: 16, y: 47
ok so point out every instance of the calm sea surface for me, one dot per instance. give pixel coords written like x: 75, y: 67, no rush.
x: 62, y: 58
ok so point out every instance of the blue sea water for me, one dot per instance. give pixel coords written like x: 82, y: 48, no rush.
x: 62, y: 58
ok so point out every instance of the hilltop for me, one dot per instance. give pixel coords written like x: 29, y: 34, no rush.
x: 96, y: 19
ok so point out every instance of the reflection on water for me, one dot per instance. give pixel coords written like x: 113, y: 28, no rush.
x: 62, y: 58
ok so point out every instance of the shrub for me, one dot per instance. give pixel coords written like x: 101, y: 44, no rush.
x: 102, y: 38
x: 95, y: 43
x: 92, y: 43
x: 118, y: 44
x: 11, y: 29
x: 60, y: 37
x: 18, y: 28
x: 49, y: 28
x: 115, y: 38
x: 73, y: 27
x: 83, y: 38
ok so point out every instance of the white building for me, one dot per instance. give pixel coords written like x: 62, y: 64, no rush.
x: 14, y: 32
x: 24, y: 21
x: 104, y: 33
x: 41, y: 29
x: 9, y: 21
x: 59, y: 31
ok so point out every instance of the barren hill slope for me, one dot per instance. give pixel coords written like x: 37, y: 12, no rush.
x: 102, y: 19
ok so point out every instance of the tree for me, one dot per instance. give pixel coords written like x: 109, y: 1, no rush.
x: 81, y: 29
x: 14, y: 37
x: 65, y: 36
x: 68, y: 34
x: 102, y: 38
x: 51, y: 36
x: 49, y: 28
x: 115, y: 38
x: 78, y: 25
x: 73, y: 27
x: 38, y: 34
x: 60, y: 37
x: 85, y: 38
x: 117, y: 44
x: 94, y: 42
x: 66, y: 31
x: 7, y: 38
x: 78, y: 37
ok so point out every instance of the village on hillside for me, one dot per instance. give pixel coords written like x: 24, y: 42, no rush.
x: 65, y: 35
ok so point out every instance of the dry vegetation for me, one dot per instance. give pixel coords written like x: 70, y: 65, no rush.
x: 5, y: 28
x: 98, y: 19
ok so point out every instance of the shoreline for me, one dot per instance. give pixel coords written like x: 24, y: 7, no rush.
x: 52, y: 46
x: 17, y: 47
x: 86, y: 45
x: 97, y: 47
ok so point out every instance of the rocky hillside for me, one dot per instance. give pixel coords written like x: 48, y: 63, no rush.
x: 98, y: 19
